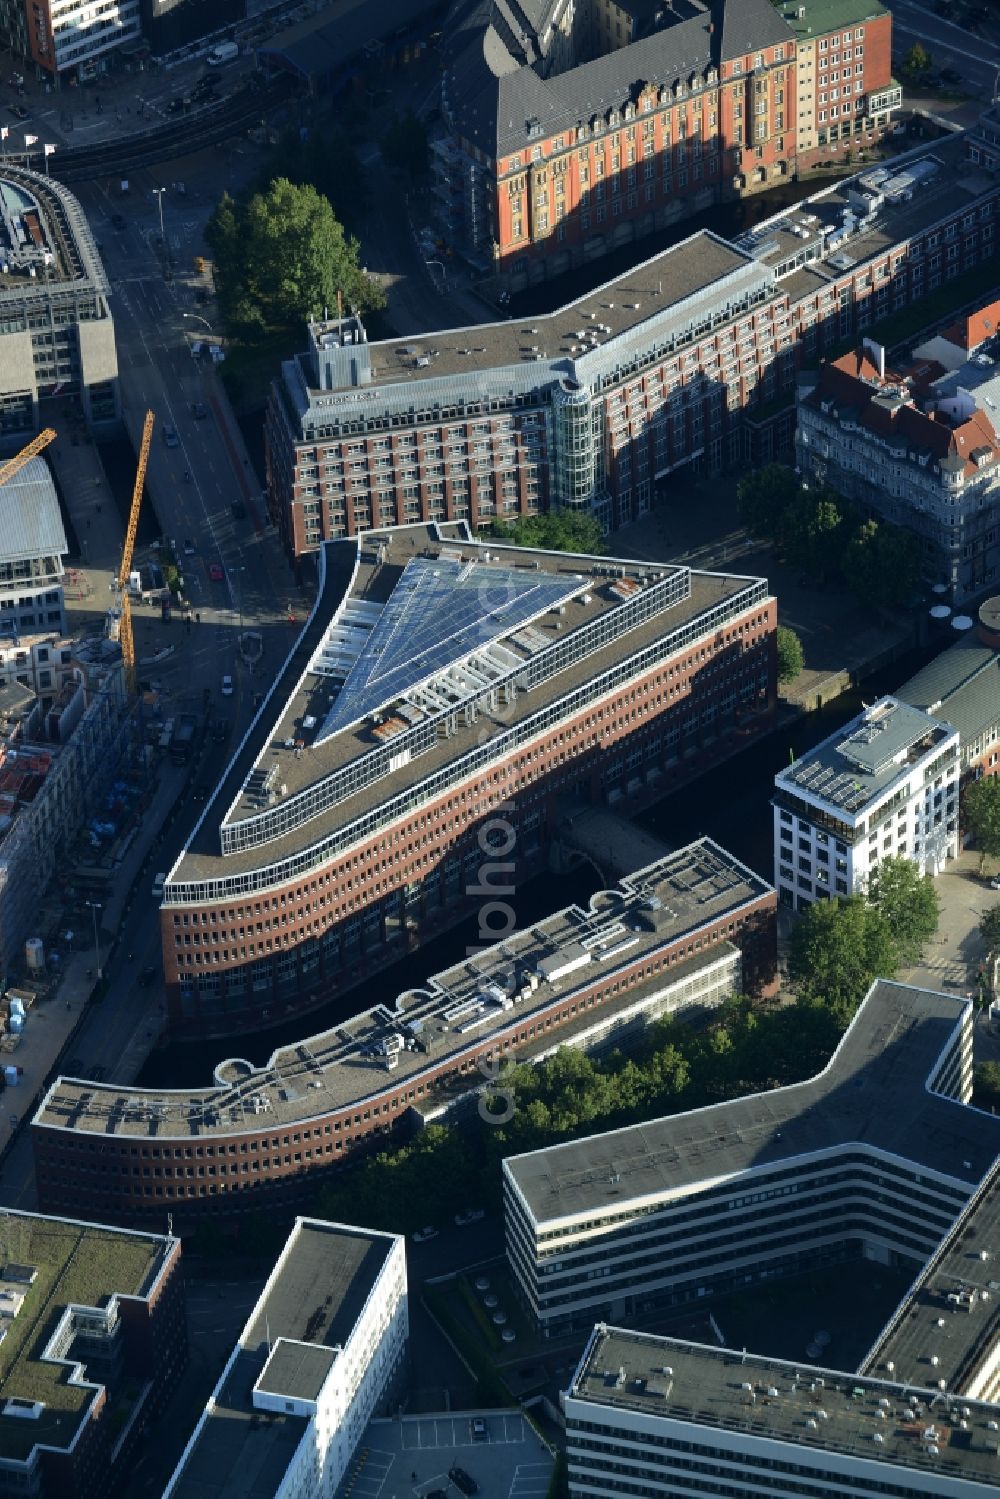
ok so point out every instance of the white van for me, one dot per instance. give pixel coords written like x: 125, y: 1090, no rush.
x: 158, y: 885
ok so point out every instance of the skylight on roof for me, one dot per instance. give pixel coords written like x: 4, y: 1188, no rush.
x: 439, y: 612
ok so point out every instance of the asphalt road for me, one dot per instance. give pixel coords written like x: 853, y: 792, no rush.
x: 975, y: 57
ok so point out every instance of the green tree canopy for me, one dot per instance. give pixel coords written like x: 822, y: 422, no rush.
x: 882, y: 562
x: 981, y: 812
x: 558, y: 531
x: 764, y: 496
x: 916, y: 62
x: 811, y: 533
x: 837, y: 949
x: 986, y: 1085
x: 989, y: 928
x: 282, y: 257
x: 910, y: 904
x: 790, y: 657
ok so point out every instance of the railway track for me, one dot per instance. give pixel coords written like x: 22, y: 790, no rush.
x: 202, y: 127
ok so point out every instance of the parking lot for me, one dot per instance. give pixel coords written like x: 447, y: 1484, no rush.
x: 415, y: 1457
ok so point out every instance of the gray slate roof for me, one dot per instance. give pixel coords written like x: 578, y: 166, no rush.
x: 492, y: 91
x: 962, y: 685
x: 30, y: 522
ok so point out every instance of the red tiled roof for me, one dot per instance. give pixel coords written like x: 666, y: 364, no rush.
x: 969, y: 332
x: 841, y: 382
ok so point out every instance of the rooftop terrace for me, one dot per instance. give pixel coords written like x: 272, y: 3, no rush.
x: 456, y: 1015
x: 855, y: 767
x: 753, y: 1397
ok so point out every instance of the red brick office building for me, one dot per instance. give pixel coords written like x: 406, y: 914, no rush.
x: 685, y: 931
x: 353, y: 819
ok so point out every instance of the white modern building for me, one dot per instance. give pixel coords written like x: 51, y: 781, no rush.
x: 873, y: 1158
x: 885, y: 785
x: 32, y: 547
x: 647, y: 1416
x: 321, y: 1352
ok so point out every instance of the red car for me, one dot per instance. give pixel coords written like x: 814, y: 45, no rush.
x: 216, y: 573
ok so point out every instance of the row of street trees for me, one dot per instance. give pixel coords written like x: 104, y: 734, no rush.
x: 827, y: 537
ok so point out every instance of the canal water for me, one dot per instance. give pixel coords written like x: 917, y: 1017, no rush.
x: 730, y: 803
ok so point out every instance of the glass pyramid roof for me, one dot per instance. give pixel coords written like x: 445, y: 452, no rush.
x: 438, y: 613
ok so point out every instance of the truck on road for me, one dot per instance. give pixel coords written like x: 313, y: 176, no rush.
x: 184, y: 736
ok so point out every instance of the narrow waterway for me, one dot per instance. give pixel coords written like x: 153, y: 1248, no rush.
x: 730, y: 803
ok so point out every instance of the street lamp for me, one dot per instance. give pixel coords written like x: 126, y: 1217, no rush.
x: 96, y: 906
x: 158, y: 193
x: 199, y: 319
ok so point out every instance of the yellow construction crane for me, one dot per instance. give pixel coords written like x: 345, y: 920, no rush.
x: 14, y: 465
x: 125, y: 621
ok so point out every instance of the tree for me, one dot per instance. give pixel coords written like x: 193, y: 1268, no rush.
x: 837, y: 950
x: 981, y: 814
x: 917, y: 61
x: 558, y: 531
x: 910, y: 904
x: 881, y: 562
x: 989, y: 929
x: 986, y: 1085
x: 282, y: 257
x: 764, y: 497
x: 790, y: 657
x: 811, y: 533
x: 405, y: 147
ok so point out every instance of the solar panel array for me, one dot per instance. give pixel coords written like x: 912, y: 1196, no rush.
x: 842, y: 788
x: 439, y: 612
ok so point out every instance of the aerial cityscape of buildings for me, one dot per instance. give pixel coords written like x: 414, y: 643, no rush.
x: 438, y: 679
x: 407, y: 733
x: 685, y: 365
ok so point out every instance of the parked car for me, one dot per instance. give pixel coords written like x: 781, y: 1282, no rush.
x: 118, y: 221
x: 188, y: 547
x: 469, y: 1215
x: 423, y: 1234
x: 239, y: 510
x: 170, y: 437
x: 147, y: 976
x: 227, y: 686
x: 995, y: 882
x: 480, y: 1431
x: 200, y: 792
x: 216, y: 572
x: 463, y: 1480
x: 221, y: 730
x: 199, y: 410
x: 951, y: 75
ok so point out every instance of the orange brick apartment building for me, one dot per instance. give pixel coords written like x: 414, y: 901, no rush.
x: 567, y: 137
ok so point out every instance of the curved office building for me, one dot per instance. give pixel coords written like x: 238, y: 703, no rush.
x: 443, y: 701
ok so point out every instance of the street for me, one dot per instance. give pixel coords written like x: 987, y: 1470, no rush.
x: 975, y: 57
